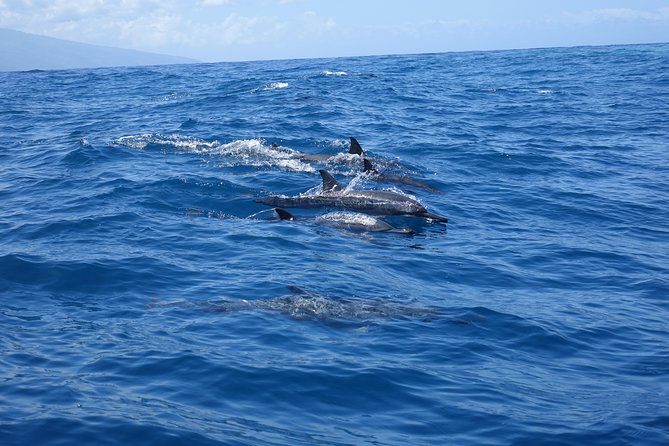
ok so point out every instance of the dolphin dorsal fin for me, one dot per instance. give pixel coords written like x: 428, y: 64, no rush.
x: 329, y: 183
x: 368, y: 166
x: 284, y: 215
x: 355, y: 148
x: 297, y: 290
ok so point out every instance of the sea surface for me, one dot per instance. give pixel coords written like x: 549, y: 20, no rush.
x: 146, y: 298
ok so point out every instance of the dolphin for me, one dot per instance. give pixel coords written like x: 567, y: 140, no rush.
x: 333, y: 195
x: 352, y: 221
x: 306, y: 305
x: 354, y: 149
x: 383, y: 177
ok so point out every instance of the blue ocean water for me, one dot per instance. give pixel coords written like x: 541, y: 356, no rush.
x: 148, y: 299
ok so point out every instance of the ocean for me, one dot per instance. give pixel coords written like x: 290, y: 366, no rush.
x: 147, y: 298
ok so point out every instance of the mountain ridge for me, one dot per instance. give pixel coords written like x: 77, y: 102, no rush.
x: 20, y: 51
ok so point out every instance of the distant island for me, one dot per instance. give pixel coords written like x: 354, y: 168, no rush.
x: 21, y: 51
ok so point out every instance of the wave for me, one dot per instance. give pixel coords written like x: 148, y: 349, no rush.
x: 62, y: 275
x: 121, y: 187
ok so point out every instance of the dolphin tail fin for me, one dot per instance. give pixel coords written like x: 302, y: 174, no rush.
x: 368, y: 166
x: 355, y: 148
x: 433, y: 217
x: 284, y: 215
x: 329, y: 183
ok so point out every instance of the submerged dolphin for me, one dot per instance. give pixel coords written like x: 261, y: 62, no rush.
x: 352, y: 221
x: 383, y: 177
x: 333, y: 195
x: 303, y: 305
x: 354, y: 149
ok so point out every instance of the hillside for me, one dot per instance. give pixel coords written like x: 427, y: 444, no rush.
x: 21, y: 51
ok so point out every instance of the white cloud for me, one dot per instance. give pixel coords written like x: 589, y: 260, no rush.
x: 619, y: 14
x: 215, y: 2
x: 43, y: 16
x: 237, y: 29
x: 147, y: 25
x: 151, y: 25
x: 315, y: 24
x: 153, y: 32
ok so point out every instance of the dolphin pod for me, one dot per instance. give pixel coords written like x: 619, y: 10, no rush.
x: 352, y: 221
x: 333, y: 195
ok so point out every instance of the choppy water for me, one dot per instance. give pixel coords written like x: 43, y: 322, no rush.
x: 147, y: 299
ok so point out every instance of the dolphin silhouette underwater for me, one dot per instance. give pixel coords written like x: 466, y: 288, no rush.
x: 333, y: 195
x: 351, y: 221
x: 306, y: 305
x: 384, y: 177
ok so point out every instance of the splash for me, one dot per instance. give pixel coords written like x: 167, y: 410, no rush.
x: 254, y: 152
x: 334, y: 73
x: 242, y: 152
x: 272, y: 86
x: 349, y: 218
x: 344, y: 159
x: 177, y: 141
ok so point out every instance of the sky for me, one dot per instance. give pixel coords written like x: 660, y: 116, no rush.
x: 234, y: 30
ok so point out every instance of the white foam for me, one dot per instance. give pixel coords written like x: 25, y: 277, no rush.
x: 172, y: 97
x: 294, y: 165
x: 402, y: 192
x: 181, y: 142
x: 359, y: 179
x: 339, y: 143
x: 351, y: 161
x: 349, y: 218
x: 134, y: 141
x: 255, y: 152
x: 334, y: 73
x: 249, y: 152
x: 316, y: 190
x: 272, y: 86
